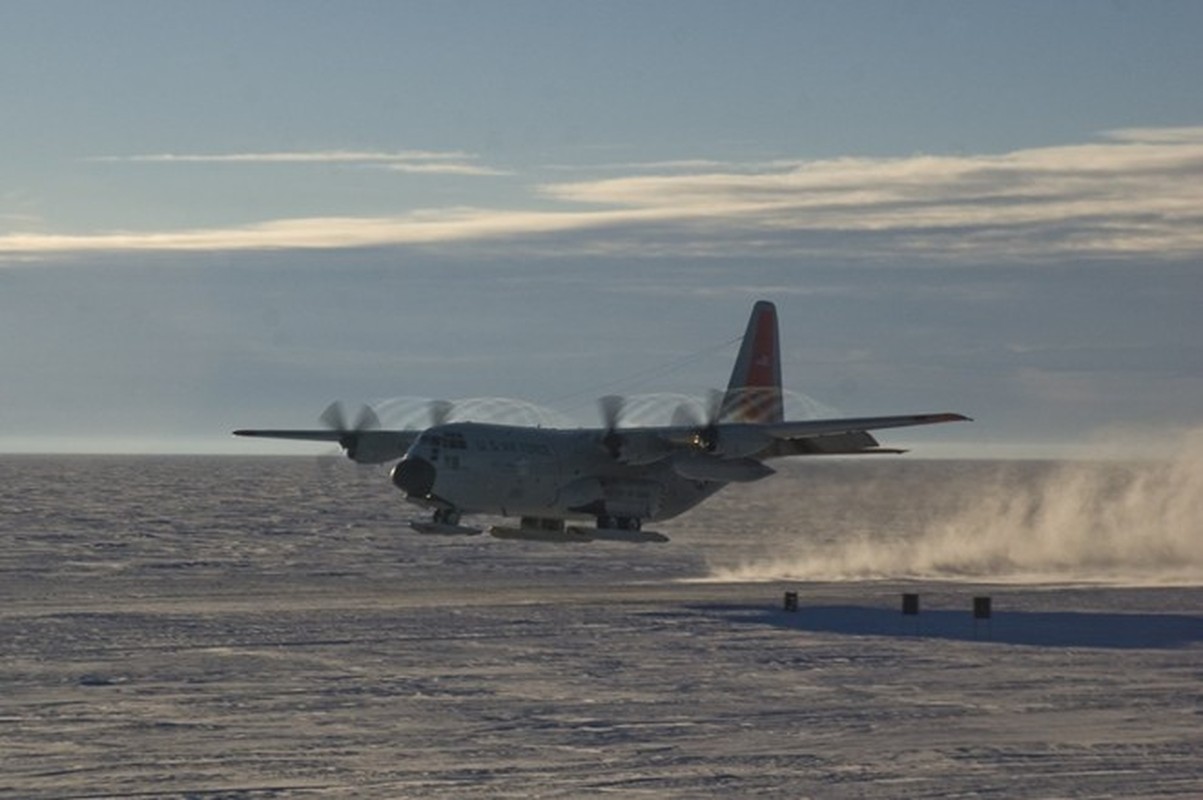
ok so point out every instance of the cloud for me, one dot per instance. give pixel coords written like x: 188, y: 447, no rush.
x: 645, y: 166
x: 16, y: 218
x: 1128, y: 195
x: 1181, y: 134
x: 416, y: 161
x: 444, y: 168
x: 422, y: 227
x: 1134, y: 193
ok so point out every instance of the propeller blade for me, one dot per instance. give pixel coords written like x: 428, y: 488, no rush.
x: 714, y: 406
x: 611, y: 407
x: 439, y: 411
x: 366, y: 420
x: 334, y: 418
x: 611, y: 410
x: 685, y: 417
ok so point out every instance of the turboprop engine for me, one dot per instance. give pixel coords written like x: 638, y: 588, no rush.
x: 731, y: 440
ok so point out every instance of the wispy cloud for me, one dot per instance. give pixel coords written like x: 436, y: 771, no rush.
x: 1125, y: 195
x: 418, y: 161
x: 443, y: 168
x: 1181, y: 134
x: 425, y: 227
x: 1132, y: 193
x: 16, y: 218
x: 689, y: 164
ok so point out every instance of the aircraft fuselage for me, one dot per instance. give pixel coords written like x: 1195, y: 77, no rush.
x: 479, y: 468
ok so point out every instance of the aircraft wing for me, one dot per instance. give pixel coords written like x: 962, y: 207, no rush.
x: 310, y: 436
x: 732, y: 440
x: 364, y: 447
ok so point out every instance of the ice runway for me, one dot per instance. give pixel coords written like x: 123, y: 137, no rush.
x: 246, y: 628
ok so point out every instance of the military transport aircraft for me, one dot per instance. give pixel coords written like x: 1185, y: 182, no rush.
x: 619, y: 477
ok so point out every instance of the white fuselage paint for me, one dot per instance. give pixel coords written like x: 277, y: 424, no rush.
x: 541, y: 472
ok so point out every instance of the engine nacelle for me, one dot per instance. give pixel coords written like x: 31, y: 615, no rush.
x: 733, y: 440
x: 702, y: 467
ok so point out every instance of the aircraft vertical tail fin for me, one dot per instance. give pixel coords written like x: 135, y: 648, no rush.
x: 754, y: 391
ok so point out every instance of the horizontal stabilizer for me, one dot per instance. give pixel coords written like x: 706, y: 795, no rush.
x: 826, y: 427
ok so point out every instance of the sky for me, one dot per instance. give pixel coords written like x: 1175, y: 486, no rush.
x: 229, y: 214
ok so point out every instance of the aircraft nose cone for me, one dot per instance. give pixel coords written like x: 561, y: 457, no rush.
x: 414, y: 476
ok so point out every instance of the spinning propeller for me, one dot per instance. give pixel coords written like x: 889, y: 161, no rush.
x: 705, y: 437
x: 362, y: 439
x: 611, y: 407
x: 439, y: 411
x: 335, y: 418
x: 702, y: 433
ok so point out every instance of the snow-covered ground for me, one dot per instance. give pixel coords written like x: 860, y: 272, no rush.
x: 245, y: 628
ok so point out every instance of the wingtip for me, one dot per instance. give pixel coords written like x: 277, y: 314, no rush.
x: 951, y: 416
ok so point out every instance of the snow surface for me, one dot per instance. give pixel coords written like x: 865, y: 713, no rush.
x: 251, y: 628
